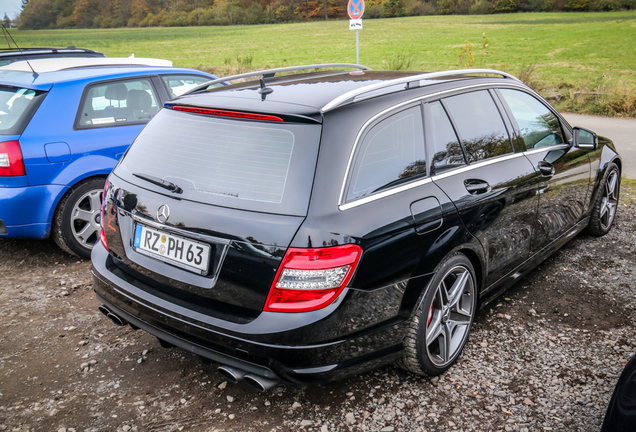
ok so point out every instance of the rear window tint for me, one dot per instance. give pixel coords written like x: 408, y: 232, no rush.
x: 17, y: 105
x: 479, y: 124
x: 391, y: 153
x: 250, y: 165
x: 444, y: 145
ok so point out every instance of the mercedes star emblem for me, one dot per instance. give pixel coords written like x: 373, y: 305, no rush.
x: 163, y: 213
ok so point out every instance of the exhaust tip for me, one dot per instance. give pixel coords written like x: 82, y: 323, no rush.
x: 260, y: 383
x: 111, y: 316
x: 117, y: 320
x: 104, y: 310
x: 231, y: 374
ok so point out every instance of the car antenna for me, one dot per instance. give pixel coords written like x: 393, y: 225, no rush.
x: 264, y: 90
x: 6, y: 33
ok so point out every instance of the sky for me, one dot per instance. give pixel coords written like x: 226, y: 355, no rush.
x: 10, y: 7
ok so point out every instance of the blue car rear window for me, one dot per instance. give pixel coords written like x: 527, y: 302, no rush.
x: 17, y: 106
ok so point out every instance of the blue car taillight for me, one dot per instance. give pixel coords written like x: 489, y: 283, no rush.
x: 11, y: 162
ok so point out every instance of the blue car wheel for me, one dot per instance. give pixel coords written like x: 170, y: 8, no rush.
x: 76, y: 223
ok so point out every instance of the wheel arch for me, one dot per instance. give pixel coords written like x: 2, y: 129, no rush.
x: 476, y: 258
x: 79, y: 171
x: 63, y: 228
x: 608, y: 156
x: 69, y: 190
x: 478, y: 264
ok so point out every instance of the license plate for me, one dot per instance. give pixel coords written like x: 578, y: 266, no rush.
x: 188, y: 254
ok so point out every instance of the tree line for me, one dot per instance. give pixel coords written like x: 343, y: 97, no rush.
x: 46, y: 14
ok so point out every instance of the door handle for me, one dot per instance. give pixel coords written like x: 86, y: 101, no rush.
x: 546, y: 168
x: 476, y: 187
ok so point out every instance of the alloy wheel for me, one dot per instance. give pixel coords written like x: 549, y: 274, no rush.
x: 85, y: 218
x: 450, y: 316
x: 609, y: 202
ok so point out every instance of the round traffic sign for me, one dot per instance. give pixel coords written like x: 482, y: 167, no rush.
x: 355, y: 9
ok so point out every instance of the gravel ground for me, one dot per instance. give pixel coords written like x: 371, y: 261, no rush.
x: 543, y: 357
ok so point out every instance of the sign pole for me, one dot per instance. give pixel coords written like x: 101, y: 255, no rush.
x: 357, y: 46
x: 355, y: 9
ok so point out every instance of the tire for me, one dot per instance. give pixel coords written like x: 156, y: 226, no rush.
x: 439, y: 329
x: 604, y: 210
x: 76, y: 223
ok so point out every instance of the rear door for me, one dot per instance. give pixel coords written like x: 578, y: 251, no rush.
x: 493, y: 187
x: 564, y: 170
x: 389, y: 202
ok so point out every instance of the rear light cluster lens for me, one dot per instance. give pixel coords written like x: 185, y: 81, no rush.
x: 310, y: 279
x: 223, y: 113
x: 11, y: 162
x: 102, y: 233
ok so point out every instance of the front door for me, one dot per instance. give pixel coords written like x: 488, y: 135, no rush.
x: 492, y: 187
x: 564, y: 170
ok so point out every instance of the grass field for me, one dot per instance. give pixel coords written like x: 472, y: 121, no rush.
x: 583, y: 61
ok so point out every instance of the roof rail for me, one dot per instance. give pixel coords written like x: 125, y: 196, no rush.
x: 70, y: 49
x: 50, y: 64
x: 351, y: 96
x: 270, y: 73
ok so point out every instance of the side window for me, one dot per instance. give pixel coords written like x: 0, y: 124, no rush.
x: 179, y: 84
x: 479, y: 125
x: 118, y: 103
x: 444, y: 148
x: 391, y: 152
x: 539, y: 127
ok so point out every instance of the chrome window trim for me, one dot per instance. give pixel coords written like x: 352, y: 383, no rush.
x: 546, y: 148
x: 342, y: 205
x: 480, y: 164
x: 384, y: 193
x: 411, y: 185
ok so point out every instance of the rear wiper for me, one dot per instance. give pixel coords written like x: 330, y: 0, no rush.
x: 159, y: 182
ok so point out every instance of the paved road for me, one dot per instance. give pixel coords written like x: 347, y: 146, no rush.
x: 621, y: 131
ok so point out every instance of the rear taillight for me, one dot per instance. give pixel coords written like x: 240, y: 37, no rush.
x: 310, y: 279
x: 11, y: 162
x: 102, y: 233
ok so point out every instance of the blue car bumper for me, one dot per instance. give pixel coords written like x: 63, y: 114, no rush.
x: 26, y: 212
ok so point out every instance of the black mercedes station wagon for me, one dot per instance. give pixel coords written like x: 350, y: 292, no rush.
x: 304, y: 224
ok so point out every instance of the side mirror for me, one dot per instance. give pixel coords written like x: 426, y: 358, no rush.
x: 585, y: 139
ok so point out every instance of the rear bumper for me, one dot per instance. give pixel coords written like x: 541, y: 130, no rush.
x: 295, y: 351
x: 26, y: 212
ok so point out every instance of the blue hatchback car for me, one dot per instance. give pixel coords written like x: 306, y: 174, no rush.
x: 64, y: 124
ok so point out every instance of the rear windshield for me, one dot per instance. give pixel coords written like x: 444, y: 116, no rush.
x: 249, y: 165
x: 17, y: 106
